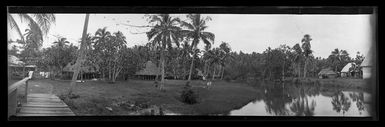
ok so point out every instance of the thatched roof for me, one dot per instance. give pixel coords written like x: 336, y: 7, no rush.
x: 87, y: 69
x: 14, y: 61
x: 150, y: 69
x: 347, y: 67
x: 327, y: 71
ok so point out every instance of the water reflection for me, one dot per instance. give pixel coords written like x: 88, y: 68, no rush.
x: 301, y: 107
x: 359, y: 99
x: 340, y: 102
x: 304, y: 100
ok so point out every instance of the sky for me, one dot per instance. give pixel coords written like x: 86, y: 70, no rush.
x: 244, y: 32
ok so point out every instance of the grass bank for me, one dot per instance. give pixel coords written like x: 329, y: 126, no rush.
x: 126, y: 98
x: 345, y: 83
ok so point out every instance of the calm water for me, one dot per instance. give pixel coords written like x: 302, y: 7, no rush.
x: 306, y: 100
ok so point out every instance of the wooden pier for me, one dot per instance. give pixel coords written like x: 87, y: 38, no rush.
x: 44, y: 105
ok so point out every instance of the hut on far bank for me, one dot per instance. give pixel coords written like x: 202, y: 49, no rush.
x: 366, y: 67
x: 327, y: 73
x: 17, y: 67
x: 347, y: 70
x: 149, y: 72
x: 86, y: 72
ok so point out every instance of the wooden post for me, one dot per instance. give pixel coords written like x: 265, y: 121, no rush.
x: 26, y: 91
x: 12, y: 103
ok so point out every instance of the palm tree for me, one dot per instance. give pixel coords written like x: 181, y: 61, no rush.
x: 102, y: 36
x: 81, y: 52
x: 225, y: 48
x: 196, y: 31
x: 214, y: 59
x: 38, y: 23
x: 306, y: 50
x: 61, y: 42
x: 185, y: 55
x: 297, y: 57
x: 164, y: 33
x: 336, y: 57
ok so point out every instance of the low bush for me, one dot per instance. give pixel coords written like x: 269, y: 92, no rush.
x: 188, y: 95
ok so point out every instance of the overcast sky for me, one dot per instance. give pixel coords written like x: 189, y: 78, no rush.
x: 244, y: 32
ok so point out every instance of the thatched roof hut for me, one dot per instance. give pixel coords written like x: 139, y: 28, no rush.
x: 327, y: 72
x: 149, y: 72
x: 70, y: 67
x: 347, y: 67
x: 14, y: 61
x: 150, y: 69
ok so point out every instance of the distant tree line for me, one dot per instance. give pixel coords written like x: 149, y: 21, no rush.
x: 173, y: 47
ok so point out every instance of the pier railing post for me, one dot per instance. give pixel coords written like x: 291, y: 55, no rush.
x: 26, y: 91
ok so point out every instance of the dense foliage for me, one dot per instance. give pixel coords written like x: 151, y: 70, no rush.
x: 173, y: 47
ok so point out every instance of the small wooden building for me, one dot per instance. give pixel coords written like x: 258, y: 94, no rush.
x: 327, y: 73
x: 86, y: 72
x: 149, y: 72
x: 17, y: 67
x: 366, y: 68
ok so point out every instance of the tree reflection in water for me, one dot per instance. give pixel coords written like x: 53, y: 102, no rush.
x: 275, y: 99
x: 301, y: 107
x: 340, y: 102
x: 359, y: 99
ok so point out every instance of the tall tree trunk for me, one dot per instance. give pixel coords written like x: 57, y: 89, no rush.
x: 299, y: 70
x: 23, y: 70
x: 304, y: 68
x: 109, y: 70
x: 223, y: 71
x: 191, y: 68
x: 162, y: 60
x: 79, y: 59
x: 283, y: 70
x: 213, y: 77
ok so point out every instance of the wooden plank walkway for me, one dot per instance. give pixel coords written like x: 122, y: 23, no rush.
x: 44, y: 105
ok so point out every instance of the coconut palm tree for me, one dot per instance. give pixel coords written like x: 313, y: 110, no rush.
x: 80, y: 53
x: 336, y: 57
x: 215, y: 57
x: 225, y: 49
x: 196, y: 31
x: 184, y: 54
x: 101, y: 36
x: 306, y: 50
x: 61, y: 42
x: 38, y: 23
x: 297, y: 57
x: 165, y: 32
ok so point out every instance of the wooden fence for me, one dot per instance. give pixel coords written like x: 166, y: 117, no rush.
x: 12, y: 93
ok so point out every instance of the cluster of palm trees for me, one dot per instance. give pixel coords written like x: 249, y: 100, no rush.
x: 170, y: 30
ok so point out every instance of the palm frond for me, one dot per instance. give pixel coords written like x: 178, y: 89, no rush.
x: 13, y: 25
x: 187, y: 25
x: 209, y: 36
x: 44, y: 21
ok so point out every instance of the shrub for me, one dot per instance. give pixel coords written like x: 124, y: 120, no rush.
x: 188, y: 95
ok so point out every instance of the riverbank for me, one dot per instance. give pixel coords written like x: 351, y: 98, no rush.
x: 131, y: 97
x: 345, y: 83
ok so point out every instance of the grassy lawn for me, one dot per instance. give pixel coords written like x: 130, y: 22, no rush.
x: 96, y: 96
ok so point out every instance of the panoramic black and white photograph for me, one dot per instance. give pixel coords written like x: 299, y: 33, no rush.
x: 191, y: 64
